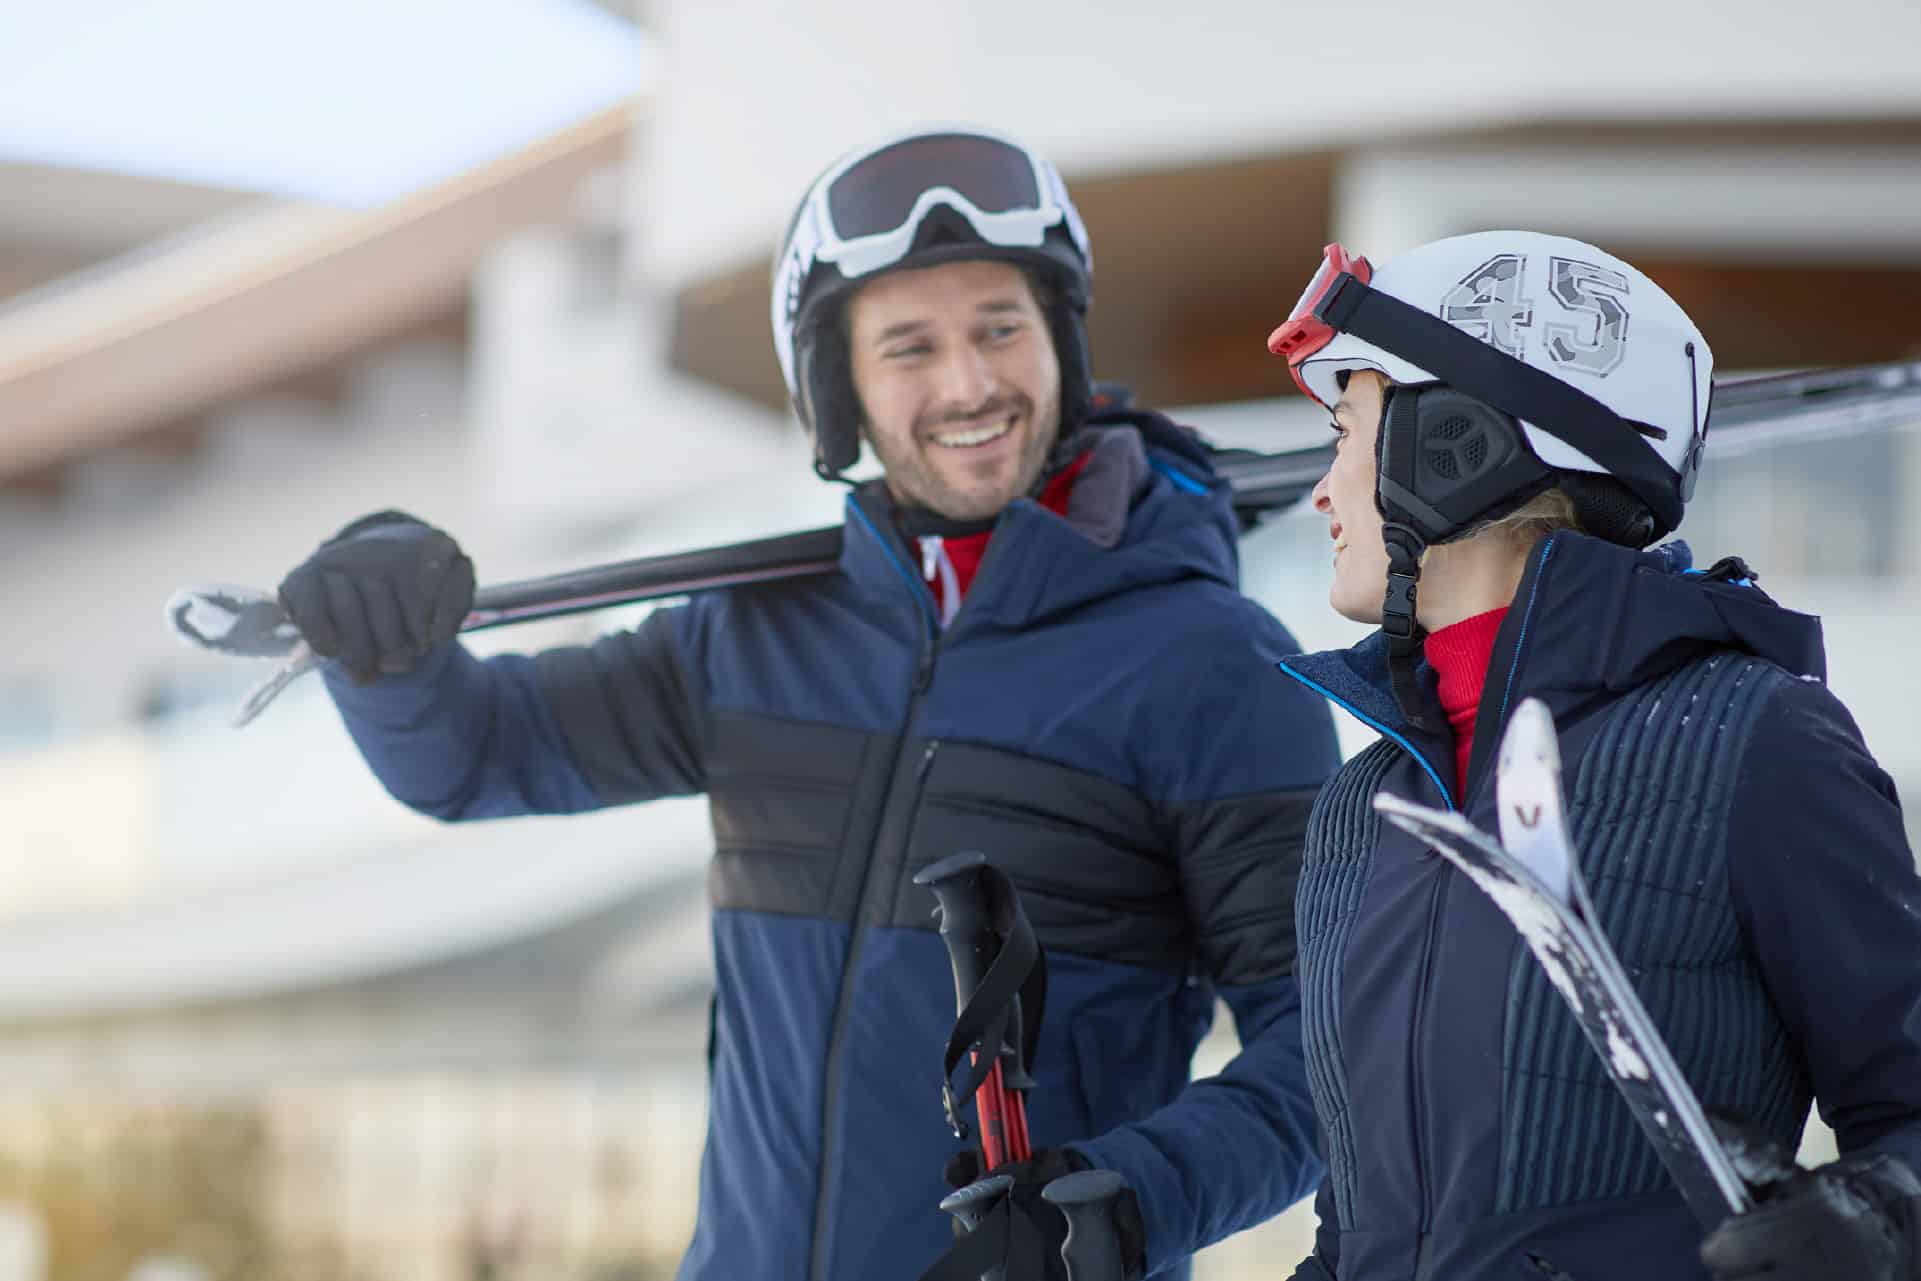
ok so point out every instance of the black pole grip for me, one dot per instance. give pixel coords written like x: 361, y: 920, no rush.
x: 966, y: 918
x: 974, y: 1202
x: 1000, y: 975
x: 970, y: 1205
x: 1092, y: 1251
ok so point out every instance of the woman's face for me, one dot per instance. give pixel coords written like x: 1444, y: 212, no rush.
x: 1346, y: 497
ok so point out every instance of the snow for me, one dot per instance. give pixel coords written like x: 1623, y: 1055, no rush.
x: 1624, y: 1061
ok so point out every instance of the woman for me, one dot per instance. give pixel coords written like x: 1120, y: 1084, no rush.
x: 1517, y: 416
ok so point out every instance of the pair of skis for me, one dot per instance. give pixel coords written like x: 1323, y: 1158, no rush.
x: 246, y: 622
x: 1534, y: 878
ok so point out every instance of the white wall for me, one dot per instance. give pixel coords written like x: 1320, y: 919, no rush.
x: 759, y: 95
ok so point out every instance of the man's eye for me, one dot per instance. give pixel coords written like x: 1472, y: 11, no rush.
x: 900, y: 353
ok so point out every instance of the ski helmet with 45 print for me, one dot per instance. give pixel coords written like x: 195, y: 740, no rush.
x: 918, y: 200
x: 1519, y: 361
x: 1516, y: 362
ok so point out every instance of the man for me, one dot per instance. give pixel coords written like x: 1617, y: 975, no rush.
x: 1034, y: 648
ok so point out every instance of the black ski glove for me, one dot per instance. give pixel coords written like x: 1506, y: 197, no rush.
x: 1050, y: 1224
x: 380, y: 594
x: 1859, y: 1218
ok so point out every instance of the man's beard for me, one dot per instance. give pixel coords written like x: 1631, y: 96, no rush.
x: 915, y: 482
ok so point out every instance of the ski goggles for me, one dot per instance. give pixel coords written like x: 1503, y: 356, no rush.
x: 864, y: 215
x: 1304, y: 333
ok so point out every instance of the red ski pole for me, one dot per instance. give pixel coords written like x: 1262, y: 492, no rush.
x: 996, y: 964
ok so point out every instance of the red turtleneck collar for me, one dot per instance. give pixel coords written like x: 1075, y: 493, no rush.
x: 965, y: 552
x: 1460, y: 654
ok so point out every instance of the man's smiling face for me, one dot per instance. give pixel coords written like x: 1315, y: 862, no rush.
x: 959, y: 384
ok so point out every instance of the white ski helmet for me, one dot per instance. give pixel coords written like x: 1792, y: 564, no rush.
x: 1518, y: 362
x: 1603, y: 370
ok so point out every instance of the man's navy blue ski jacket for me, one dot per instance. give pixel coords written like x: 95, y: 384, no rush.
x: 1747, y: 860
x: 1100, y: 719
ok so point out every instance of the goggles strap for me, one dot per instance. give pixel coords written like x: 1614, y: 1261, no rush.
x: 1513, y: 386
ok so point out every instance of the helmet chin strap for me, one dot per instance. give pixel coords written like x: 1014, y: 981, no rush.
x: 1400, y: 623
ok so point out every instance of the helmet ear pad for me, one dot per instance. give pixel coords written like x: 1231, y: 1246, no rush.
x: 1069, y: 330
x: 1447, y: 462
x: 829, y: 405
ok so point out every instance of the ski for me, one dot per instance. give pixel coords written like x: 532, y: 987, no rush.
x: 248, y: 622
x: 1533, y: 875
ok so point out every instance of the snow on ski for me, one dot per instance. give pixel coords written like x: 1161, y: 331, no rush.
x: 1533, y: 876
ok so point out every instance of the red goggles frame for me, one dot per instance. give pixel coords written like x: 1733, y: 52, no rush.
x: 1303, y: 333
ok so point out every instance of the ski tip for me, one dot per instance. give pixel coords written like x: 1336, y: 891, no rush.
x: 186, y: 618
x: 239, y: 621
x: 1409, y: 815
x: 1529, y: 740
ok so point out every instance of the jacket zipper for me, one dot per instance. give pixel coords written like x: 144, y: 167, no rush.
x: 831, y: 1076
x: 830, y: 1080
x: 1416, y: 1043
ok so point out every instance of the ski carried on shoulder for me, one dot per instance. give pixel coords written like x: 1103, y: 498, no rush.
x: 1534, y: 877
x: 248, y: 622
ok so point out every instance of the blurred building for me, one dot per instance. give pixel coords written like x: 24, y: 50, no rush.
x: 478, y: 1051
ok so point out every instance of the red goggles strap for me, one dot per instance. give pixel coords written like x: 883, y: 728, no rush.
x: 1303, y: 334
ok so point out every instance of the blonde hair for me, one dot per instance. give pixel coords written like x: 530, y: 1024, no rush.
x: 1545, y: 513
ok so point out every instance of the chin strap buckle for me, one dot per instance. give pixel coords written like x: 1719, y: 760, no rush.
x: 1398, y: 611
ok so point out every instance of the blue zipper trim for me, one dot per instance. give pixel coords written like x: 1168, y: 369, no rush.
x: 921, y: 596
x: 1182, y: 481
x: 1527, y: 616
x: 1373, y: 724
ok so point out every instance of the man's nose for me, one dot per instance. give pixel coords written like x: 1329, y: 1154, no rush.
x: 964, y: 378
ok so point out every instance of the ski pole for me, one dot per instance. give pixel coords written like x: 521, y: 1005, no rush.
x: 999, y: 987
x: 1092, y: 1251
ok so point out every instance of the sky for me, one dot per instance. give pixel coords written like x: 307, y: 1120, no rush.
x: 347, y: 102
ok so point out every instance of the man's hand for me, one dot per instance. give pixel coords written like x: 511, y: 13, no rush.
x: 380, y: 594
x: 1858, y: 1218
x: 1050, y: 1224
